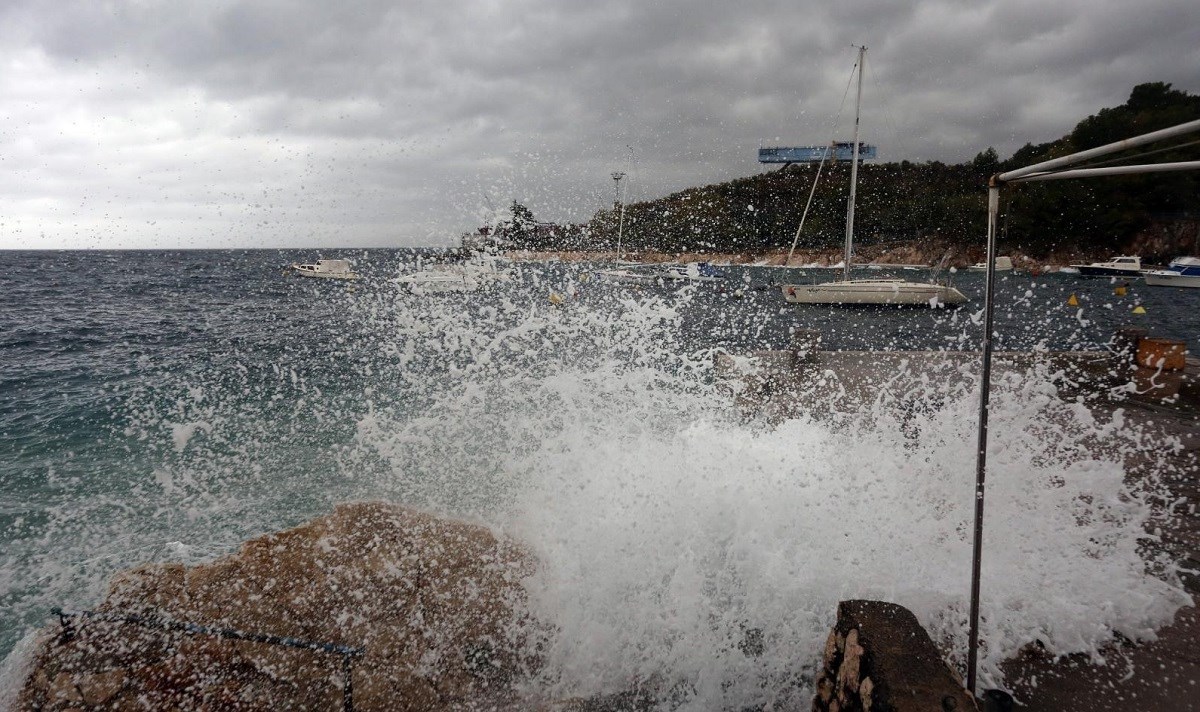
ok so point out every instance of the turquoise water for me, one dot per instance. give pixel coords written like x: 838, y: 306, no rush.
x: 169, y: 405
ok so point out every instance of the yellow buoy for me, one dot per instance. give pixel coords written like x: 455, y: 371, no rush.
x: 1139, y: 309
x: 1072, y: 301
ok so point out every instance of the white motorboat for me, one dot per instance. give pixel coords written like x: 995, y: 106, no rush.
x: 883, y: 292
x: 1003, y: 264
x: 1116, y: 267
x: 693, y: 272
x: 478, y: 273
x: 1182, y: 272
x: 324, y: 269
x: 650, y: 274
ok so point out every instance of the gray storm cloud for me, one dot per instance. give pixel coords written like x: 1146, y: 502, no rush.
x: 243, y: 124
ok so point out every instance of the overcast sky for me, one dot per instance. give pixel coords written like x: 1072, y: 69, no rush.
x: 227, y: 123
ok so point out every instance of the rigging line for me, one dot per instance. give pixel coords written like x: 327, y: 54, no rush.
x: 889, y: 124
x: 821, y: 166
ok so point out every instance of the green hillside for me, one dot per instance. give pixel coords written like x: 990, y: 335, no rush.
x: 909, y: 202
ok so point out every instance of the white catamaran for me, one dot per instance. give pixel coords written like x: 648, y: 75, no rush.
x: 868, y: 291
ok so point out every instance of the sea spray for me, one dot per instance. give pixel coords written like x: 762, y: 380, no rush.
x: 670, y: 532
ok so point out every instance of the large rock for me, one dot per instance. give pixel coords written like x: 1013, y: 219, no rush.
x: 433, y: 602
x: 878, y: 657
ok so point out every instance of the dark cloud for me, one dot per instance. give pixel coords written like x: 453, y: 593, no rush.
x: 145, y: 123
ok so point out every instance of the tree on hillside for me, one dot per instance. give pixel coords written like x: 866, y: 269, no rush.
x: 986, y: 162
x: 521, y: 228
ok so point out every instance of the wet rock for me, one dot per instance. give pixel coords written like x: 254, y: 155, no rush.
x: 432, y: 602
x: 884, y: 660
x: 101, y: 687
x: 62, y: 689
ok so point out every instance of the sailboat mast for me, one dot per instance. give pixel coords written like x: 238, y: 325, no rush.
x: 862, y: 51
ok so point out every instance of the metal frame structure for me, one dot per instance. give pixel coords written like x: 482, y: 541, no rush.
x: 1055, y: 169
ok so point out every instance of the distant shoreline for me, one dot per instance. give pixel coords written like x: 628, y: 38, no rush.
x: 811, y: 259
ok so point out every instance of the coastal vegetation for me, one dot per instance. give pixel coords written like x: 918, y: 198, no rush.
x: 935, y: 203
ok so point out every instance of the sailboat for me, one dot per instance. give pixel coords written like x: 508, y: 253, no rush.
x: 891, y: 292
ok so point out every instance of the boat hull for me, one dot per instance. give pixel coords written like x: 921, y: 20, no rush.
x: 1092, y: 271
x: 622, y: 276
x: 323, y: 269
x: 1167, y: 278
x: 324, y: 275
x: 872, y: 292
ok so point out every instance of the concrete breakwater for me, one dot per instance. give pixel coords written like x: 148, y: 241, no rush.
x: 779, y: 384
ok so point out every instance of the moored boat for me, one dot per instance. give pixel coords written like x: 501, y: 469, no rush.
x: 1003, y: 264
x: 479, y: 272
x: 1182, y: 272
x: 324, y: 269
x: 693, y: 272
x: 881, y: 292
x: 1126, y: 266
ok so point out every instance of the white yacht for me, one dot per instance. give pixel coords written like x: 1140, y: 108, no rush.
x: 1116, y: 267
x: 889, y: 292
x: 479, y: 272
x: 882, y: 292
x: 324, y: 269
x: 1182, y: 272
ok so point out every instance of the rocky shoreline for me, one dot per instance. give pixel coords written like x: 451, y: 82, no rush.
x: 801, y: 258
x: 430, y: 601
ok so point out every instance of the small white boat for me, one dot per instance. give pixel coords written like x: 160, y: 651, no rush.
x: 478, y: 273
x: 693, y: 272
x: 1116, y: 267
x: 324, y: 269
x: 1003, y: 264
x: 1182, y: 272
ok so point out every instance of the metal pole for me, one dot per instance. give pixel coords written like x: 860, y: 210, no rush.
x: 1039, y: 171
x: 617, y: 204
x: 985, y: 387
x: 862, y: 51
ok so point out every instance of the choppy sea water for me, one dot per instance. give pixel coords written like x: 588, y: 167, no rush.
x: 166, y: 406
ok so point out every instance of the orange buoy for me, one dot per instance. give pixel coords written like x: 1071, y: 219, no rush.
x: 1167, y: 354
x: 1120, y: 290
x: 1072, y: 301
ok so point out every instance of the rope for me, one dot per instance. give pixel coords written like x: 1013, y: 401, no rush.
x: 821, y: 166
x: 347, y: 653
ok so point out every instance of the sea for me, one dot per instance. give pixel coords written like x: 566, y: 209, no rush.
x: 168, y: 405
